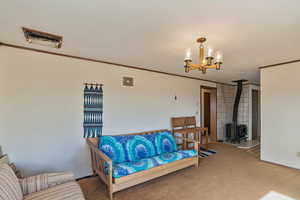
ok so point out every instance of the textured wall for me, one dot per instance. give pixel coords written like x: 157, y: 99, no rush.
x: 243, y: 115
x: 225, y: 99
x: 41, y: 103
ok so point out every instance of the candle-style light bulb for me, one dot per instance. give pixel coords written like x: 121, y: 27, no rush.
x: 188, y: 55
x: 219, y: 57
x: 210, y: 52
x: 218, y: 63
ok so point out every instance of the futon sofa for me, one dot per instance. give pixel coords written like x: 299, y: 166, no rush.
x: 51, y: 186
x: 122, y: 161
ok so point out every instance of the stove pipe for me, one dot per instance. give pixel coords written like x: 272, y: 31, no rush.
x: 236, y: 106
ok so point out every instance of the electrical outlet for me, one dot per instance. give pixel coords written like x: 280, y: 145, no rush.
x: 298, y: 154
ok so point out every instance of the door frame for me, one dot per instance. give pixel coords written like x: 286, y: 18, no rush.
x: 254, y: 87
x: 213, y: 110
x: 257, y: 120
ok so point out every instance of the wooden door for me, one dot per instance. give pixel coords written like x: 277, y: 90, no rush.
x: 206, y: 113
x: 209, y: 111
x: 255, y: 114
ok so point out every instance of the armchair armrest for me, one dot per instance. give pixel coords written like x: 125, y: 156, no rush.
x: 98, y: 152
x: 196, y: 143
x: 101, y: 163
x: 187, y: 139
x: 43, y: 181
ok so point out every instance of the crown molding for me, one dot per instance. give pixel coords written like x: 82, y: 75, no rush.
x: 277, y: 64
x: 107, y: 62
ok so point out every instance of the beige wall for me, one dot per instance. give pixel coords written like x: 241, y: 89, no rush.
x: 41, y: 105
x: 280, y: 108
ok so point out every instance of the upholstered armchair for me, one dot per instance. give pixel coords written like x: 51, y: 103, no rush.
x: 51, y: 186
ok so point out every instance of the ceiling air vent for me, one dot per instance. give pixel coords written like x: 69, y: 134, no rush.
x: 42, y: 38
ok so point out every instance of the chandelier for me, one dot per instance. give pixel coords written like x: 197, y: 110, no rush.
x: 206, y: 62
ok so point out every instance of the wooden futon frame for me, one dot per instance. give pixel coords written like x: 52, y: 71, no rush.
x: 98, y: 159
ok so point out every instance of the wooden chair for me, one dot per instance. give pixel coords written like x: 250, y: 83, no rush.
x: 187, y: 128
x: 178, y: 123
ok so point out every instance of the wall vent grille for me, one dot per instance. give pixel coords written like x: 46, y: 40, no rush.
x: 42, y: 38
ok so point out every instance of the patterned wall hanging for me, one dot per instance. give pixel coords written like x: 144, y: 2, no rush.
x: 93, y: 110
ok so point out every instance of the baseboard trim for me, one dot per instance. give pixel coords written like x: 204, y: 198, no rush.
x: 277, y: 164
x: 85, y: 177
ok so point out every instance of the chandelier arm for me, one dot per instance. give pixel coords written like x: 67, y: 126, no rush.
x: 197, y: 66
x: 210, y: 66
x: 200, y: 66
x: 194, y: 66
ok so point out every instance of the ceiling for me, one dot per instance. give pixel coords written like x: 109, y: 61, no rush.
x: 155, y: 34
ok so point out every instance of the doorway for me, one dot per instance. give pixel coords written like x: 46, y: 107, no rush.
x: 209, y: 111
x: 255, y: 115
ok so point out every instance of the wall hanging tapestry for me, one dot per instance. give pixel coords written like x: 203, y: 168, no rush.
x: 93, y: 110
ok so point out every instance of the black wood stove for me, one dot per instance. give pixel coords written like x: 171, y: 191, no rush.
x: 235, y: 132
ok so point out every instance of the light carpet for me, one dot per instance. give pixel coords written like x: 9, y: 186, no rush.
x: 231, y: 174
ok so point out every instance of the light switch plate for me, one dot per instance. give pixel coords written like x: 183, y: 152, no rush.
x: 127, y: 81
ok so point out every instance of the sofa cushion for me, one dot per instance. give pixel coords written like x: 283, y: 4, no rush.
x: 113, y: 148
x: 165, y: 142
x: 10, y: 188
x: 174, y: 156
x: 127, y: 168
x: 66, y: 191
x: 128, y: 148
x: 139, y: 147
